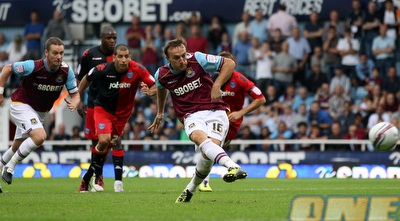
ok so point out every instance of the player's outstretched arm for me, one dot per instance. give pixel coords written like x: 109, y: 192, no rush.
x: 161, y: 99
x: 5, y: 74
x: 224, y: 75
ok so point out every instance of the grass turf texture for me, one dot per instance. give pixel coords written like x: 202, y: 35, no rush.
x: 154, y: 199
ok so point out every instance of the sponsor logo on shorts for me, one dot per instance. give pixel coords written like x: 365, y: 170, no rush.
x: 59, y: 78
x: 345, y: 207
x: 87, y: 130
x: 102, y: 126
x: 34, y: 121
x: 129, y: 75
x: 192, y: 125
x: 23, y: 126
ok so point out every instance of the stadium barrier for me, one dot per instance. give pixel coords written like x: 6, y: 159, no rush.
x: 365, y: 145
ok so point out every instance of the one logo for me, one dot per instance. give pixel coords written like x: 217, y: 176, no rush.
x: 192, y: 125
x: 345, y: 207
x: 171, y: 82
x: 189, y: 73
x: 87, y: 130
x: 102, y: 126
x: 211, y: 58
x: 19, y: 69
x: 23, y: 126
x: 111, y: 76
x: 232, y: 84
x: 34, y: 121
x: 59, y: 78
x: 96, y: 59
x: 188, y: 55
x: 129, y: 75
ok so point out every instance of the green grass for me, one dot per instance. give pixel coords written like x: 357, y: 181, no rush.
x: 154, y: 199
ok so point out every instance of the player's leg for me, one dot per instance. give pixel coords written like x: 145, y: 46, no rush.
x: 118, y: 153
x: 30, y: 135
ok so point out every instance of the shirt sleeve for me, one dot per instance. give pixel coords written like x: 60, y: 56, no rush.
x: 71, y: 84
x: 210, y: 63
x: 146, y: 76
x: 156, y: 79
x: 23, y: 68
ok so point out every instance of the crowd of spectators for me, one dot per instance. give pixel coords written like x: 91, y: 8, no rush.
x: 331, y: 79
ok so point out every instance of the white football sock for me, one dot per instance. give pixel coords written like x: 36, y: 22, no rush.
x: 216, y: 154
x: 5, y: 158
x: 24, y: 150
x: 203, y: 168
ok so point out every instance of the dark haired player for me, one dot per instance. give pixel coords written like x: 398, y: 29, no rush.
x: 234, y: 92
x: 91, y: 58
x: 199, y: 106
x: 117, y: 83
x: 42, y: 83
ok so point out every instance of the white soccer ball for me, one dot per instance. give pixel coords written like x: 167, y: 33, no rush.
x: 383, y: 136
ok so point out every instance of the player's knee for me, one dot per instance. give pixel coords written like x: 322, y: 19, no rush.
x: 103, y: 144
x: 38, y: 136
x: 198, y: 136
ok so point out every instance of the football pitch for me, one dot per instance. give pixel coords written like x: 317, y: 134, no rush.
x: 154, y: 199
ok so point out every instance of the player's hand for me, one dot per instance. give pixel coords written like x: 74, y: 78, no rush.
x: 234, y: 116
x: 144, y: 89
x: 72, y: 104
x: 156, y: 124
x: 216, y: 94
x: 1, y: 100
x: 82, y: 109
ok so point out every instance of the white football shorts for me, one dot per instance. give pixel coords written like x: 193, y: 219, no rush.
x: 25, y: 118
x: 214, y: 123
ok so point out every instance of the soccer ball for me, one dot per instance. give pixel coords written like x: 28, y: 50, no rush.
x: 383, y: 136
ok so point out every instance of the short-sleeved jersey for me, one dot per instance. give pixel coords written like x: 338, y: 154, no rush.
x: 235, y: 91
x: 116, y: 91
x: 40, y: 87
x: 191, y: 89
x: 90, y: 59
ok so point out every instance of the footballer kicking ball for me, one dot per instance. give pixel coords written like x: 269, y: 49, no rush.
x: 383, y: 136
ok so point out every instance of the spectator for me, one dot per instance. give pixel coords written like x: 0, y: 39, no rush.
x: 271, y: 119
x: 287, y: 97
x: 340, y: 79
x: 282, y: 20
x: 265, y: 135
x: 247, y: 134
x: 336, y: 134
x: 16, y: 50
x: 301, y: 116
x: 159, y: 41
x: 225, y: 44
x: 348, y: 48
x: 317, y: 58
x: 355, y: 19
x: 378, y: 116
x: 320, y: 118
x: 168, y: 35
x: 149, y: 51
x: 316, y: 133
x: 276, y: 41
x: 242, y: 26
x: 302, y: 97
x: 370, y: 27
x: 302, y: 133
x: 61, y: 135
x: 3, y: 42
x: 336, y: 102
x: 300, y: 50
x: 58, y: 27
x: 392, y: 82
x: 355, y: 133
x: 258, y: 26
x: 322, y: 96
x: 284, y: 67
x: 313, y: 31
x: 215, y: 32
x: 347, y: 117
x: 264, y: 58
x: 364, y: 69
x: 194, y: 19
x: 287, y: 116
x: 33, y: 34
x: 332, y: 56
x: 134, y: 35
x: 357, y: 92
x: 335, y: 23
x: 3, y: 60
x: 390, y: 103
x: 389, y: 18
x: 271, y: 97
x: 383, y: 48
x: 375, y: 79
x: 282, y: 133
x: 251, y: 54
x: 180, y: 30
x: 196, y: 41
x: 76, y: 135
x: 316, y: 79
x: 240, y: 51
